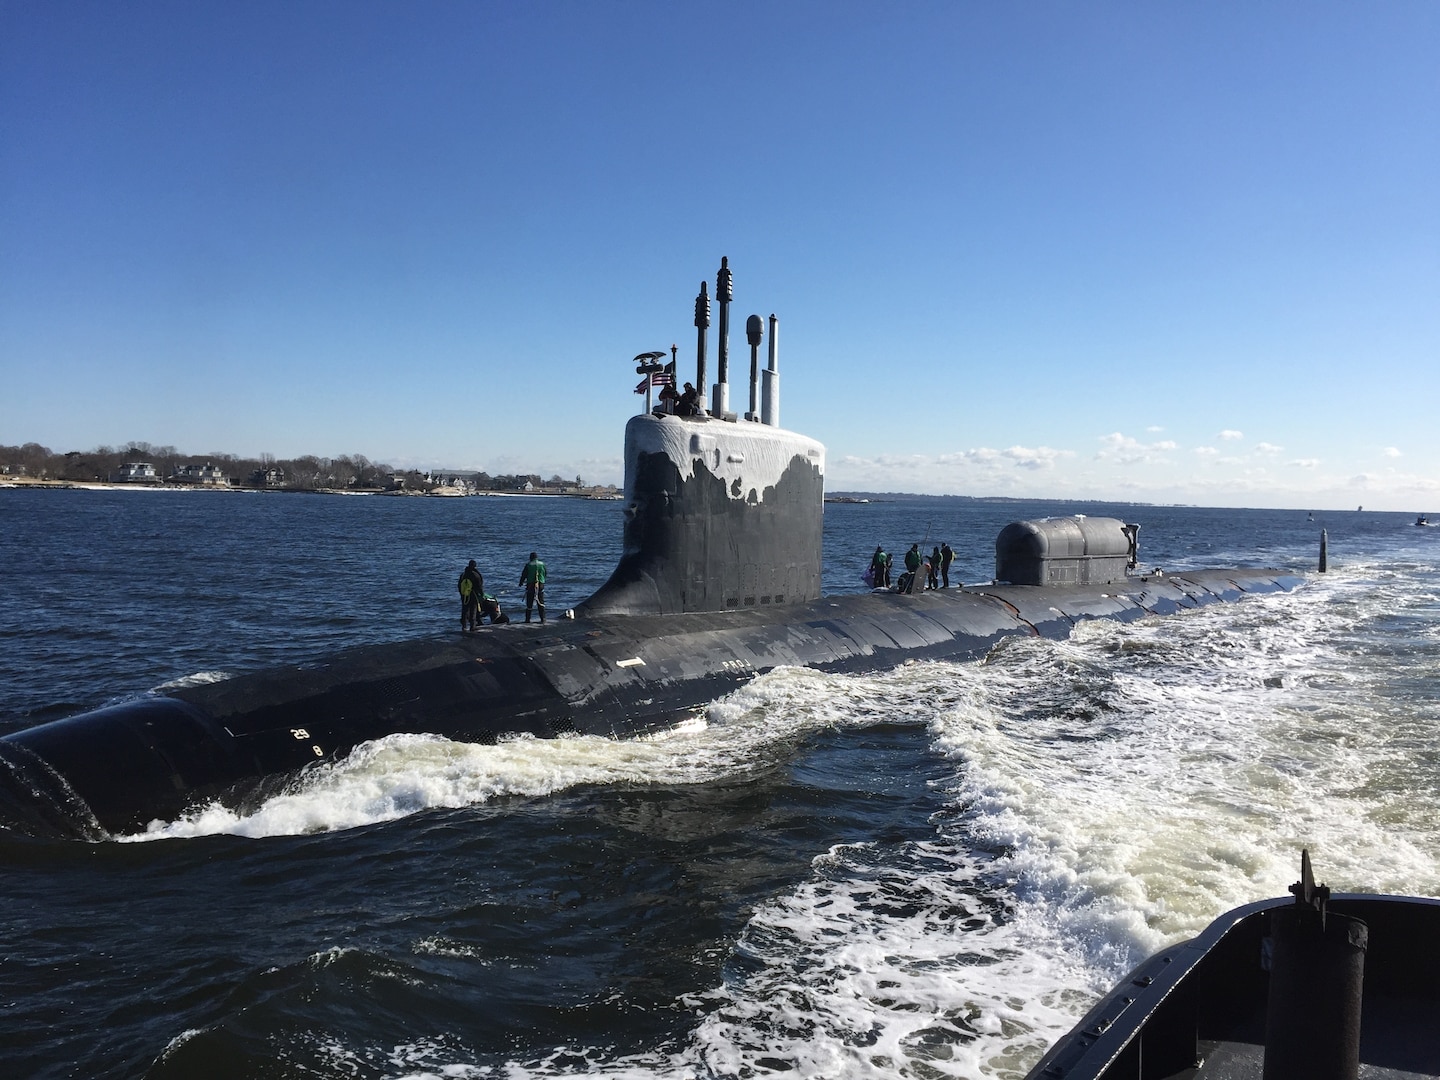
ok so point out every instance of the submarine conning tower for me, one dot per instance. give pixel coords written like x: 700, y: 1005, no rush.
x: 721, y: 513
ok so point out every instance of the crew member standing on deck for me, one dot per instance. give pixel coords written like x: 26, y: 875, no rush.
x: 933, y: 577
x: 472, y: 587
x: 878, y: 562
x: 913, y: 561
x: 913, y: 558
x: 947, y: 556
x: 533, y: 578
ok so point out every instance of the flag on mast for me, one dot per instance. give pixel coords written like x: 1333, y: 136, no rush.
x: 660, y: 378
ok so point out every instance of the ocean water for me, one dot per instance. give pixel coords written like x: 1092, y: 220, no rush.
x: 927, y: 873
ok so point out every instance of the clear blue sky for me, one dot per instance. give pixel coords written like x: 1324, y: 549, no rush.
x: 1169, y: 252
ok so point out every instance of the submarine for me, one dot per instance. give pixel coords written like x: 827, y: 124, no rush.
x: 718, y: 581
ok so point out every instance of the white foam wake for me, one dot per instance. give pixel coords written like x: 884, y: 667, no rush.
x: 1112, y: 793
x: 406, y: 774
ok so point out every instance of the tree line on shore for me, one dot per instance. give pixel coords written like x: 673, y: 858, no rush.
x: 307, y: 473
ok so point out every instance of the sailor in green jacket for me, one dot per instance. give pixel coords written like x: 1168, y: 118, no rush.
x: 913, y: 561
x: 533, y: 578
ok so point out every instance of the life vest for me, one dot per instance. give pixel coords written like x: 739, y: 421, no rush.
x: 466, y: 587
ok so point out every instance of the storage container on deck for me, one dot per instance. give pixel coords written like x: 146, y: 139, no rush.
x: 1065, y: 551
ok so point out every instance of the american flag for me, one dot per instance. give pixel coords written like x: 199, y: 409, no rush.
x: 660, y: 378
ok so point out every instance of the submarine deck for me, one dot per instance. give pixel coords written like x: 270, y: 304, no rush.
x: 581, y: 658
x: 608, y: 675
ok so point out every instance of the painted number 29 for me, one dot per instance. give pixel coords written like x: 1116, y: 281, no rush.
x: 301, y: 734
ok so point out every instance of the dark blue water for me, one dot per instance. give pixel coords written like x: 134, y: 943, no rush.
x: 930, y: 872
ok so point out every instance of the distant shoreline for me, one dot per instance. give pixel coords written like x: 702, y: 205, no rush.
x: 95, y: 485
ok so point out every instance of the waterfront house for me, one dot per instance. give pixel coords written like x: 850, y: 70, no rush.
x: 135, y: 472
x: 206, y: 475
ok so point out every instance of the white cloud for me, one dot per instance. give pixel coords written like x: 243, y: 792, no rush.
x: 1392, y: 451
x: 982, y: 456
x: 1154, y: 429
x: 1230, y: 435
x: 1267, y: 448
x: 1025, y: 457
x: 982, y: 469
x: 1042, y: 457
x: 1143, y: 470
x: 1127, y: 450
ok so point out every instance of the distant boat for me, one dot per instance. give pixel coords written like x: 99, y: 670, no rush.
x: 1422, y: 520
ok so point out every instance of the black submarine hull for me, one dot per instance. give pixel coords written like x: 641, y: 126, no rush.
x: 113, y: 770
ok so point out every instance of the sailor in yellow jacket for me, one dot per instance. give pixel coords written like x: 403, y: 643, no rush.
x: 472, y: 587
